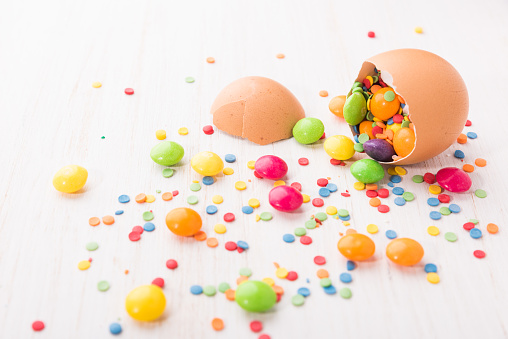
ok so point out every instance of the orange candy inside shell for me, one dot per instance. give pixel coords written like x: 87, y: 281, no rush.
x: 366, y: 127
x: 184, y: 221
x: 404, y: 251
x: 404, y: 141
x: 356, y: 247
x: 384, y: 104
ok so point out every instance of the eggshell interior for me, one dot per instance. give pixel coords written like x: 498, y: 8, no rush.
x: 435, y: 94
x: 257, y: 108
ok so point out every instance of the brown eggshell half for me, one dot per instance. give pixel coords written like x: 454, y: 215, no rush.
x: 257, y: 108
x: 435, y: 94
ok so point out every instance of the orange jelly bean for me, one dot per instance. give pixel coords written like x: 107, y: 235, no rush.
x: 404, y: 251
x: 336, y: 105
x: 366, y: 127
x: 404, y: 141
x: 184, y: 221
x: 356, y: 247
x: 381, y: 107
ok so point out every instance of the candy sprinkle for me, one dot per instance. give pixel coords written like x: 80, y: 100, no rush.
x: 345, y: 293
x: 129, y: 91
x: 492, y: 228
x: 96, y: 84
x: 115, y: 328
x: 450, y: 236
x: 479, y: 254
x: 480, y: 193
x: 298, y: 300
x: 433, y: 230
x: 189, y: 80
x: 38, y: 325
x: 256, y: 326
x: 433, y: 278
x: 94, y: 221
x: 217, y: 324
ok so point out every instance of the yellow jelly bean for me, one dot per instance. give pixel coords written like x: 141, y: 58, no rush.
x: 207, y: 163
x: 70, y: 179
x: 145, y: 303
x: 96, y: 84
x: 339, y: 147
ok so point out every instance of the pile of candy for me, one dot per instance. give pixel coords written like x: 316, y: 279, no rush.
x: 379, y: 119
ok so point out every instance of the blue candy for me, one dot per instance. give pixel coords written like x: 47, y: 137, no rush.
x: 331, y: 187
x: 207, y: 180
x: 288, y: 238
x: 390, y: 121
x: 211, y: 209
x: 472, y: 135
x: 399, y: 201
x: 324, y: 192
x: 124, y: 199
x: 247, y: 209
x: 356, y: 139
x: 303, y: 291
x: 345, y: 218
x: 242, y: 244
x: 351, y: 265
x: 475, y: 233
x: 395, y: 179
x: 149, y: 227
x: 356, y: 129
x: 115, y: 328
x: 398, y: 191
x: 433, y: 201
x: 230, y: 158
x: 459, y: 154
x: 390, y: 184
x: 454, y: 208
x: 330, y: 289
x: 391, y: 234
x: 196, y: 289
x: 345, y: 278
x: 430, y: 268
x: 119, y: 212
x: 434, y: 215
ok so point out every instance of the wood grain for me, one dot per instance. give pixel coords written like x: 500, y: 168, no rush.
x: 52, y: 51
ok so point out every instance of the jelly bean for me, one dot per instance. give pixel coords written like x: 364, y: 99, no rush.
x: 384, y: 104
x: 366, y: 127
x: 379, y: 149
x: 70, y: 179
x: 184, y: 221
x: 453, y: 179
x: 367, y: 171
x: 167, y: 153
x: 207, y: 163
x: 404, y: 141
x: 336, y: 105
x: 404, y: 251
x: 285, y: 198
x: 355, y: 108
x: 145, y: 303
x: 394, y: 127
x: 339, y: 147
x: 271, y: 167
x: 255, y: 296
x: 356, y: 247
x: 308, y: 130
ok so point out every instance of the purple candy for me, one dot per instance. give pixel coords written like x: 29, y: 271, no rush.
x: 379, y: 149
x: 453, y: 179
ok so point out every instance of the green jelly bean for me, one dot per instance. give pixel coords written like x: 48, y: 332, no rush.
x: 355, y: 108
x: 367, y: 171
x: 255, y: 296
x: 308, y: 130
x: 167, y: 153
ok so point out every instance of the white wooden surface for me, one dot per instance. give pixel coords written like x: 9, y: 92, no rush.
x: 52, y: 51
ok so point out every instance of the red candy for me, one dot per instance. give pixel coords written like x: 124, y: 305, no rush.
x: 306, y: 240
x: 468, y: 226
x: 453, y: 179
x: 285, y: 198
x: 371, y: 193
x: 38, y: 325
x: 468, y: 122
x: 444, y: 198
x: 479, y: 254
x: 377, y: 130
x: 383, y: 209
x: 175, y: 193
x: 208, y: 129
x: 371, y: 34
x: 323, y: 136
x: 134, y: 236
x: 335, y: 162
x: 429, y: 178
x: 271, y: 167
x: 229, y: 217
x: 137, y: 229
x: 322, y: 182
x: 129, y: 91
x: 171, y: 264
x: 383, y: 193
x: 297, y: 186
x: 303, y: 161
x: 257, y: 175
x: 231, y: 246
x: 256, y: 326
x: 292, y: 276
x: 398, y: 118
x: 317, y: 202
x: 319, y: 260
x: 158, y: 282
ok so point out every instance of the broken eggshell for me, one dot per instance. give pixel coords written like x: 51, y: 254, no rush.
x: 257, y: 108
x: 435, y: 94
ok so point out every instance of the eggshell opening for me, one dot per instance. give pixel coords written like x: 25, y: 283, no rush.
x: 436, y: 98
x: 257, y: 108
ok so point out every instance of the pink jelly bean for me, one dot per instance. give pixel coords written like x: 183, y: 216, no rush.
x: 453, y: 179
x: 271, y: 167
x: 285, y: 198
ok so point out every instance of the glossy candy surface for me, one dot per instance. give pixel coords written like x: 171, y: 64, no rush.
x: 339, y: 147
x: 70, y: 179
x: 356, y: 247
x: 167, y: 153
x: 184, y: 221
x: 453, y: 179
x: 404, y: 251
x: 381, y: 106
x: 379, y: 149
x: 145, y: 303
x: 336, y: 105
x: 271, y: 167
x: 285, y: 198
x: 367, y: 171
x: 207, y: 163
x: 255, y: 296
x: 308, y: 130
x: 355, y: 108
x: 404, y: 141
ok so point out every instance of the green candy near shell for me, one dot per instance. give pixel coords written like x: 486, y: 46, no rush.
x: 167, y: 153
x: 355, y: 108
x: 255, y: 296
x: 367, y: 171
x: 308, y: 130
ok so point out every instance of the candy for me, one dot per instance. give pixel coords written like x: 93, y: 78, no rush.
x: 308, y: 130
x: 404, y: 141
x: 271, y: 167
x: 355, y: 108
x: 367, y: 171
x: 336, y: 105
x: 379, y: 149
x: 384, y: 103
x: 183, y: 221
x: 453, y: 179
x: 356, y: 247
x: 207, y: 163
x: 70, y: 179
x: 255, y: 296
x: 285, y: 198
x: 167, y: 153
x: 404, y: 251
x: 145, y: 303
x: 339, y: 147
